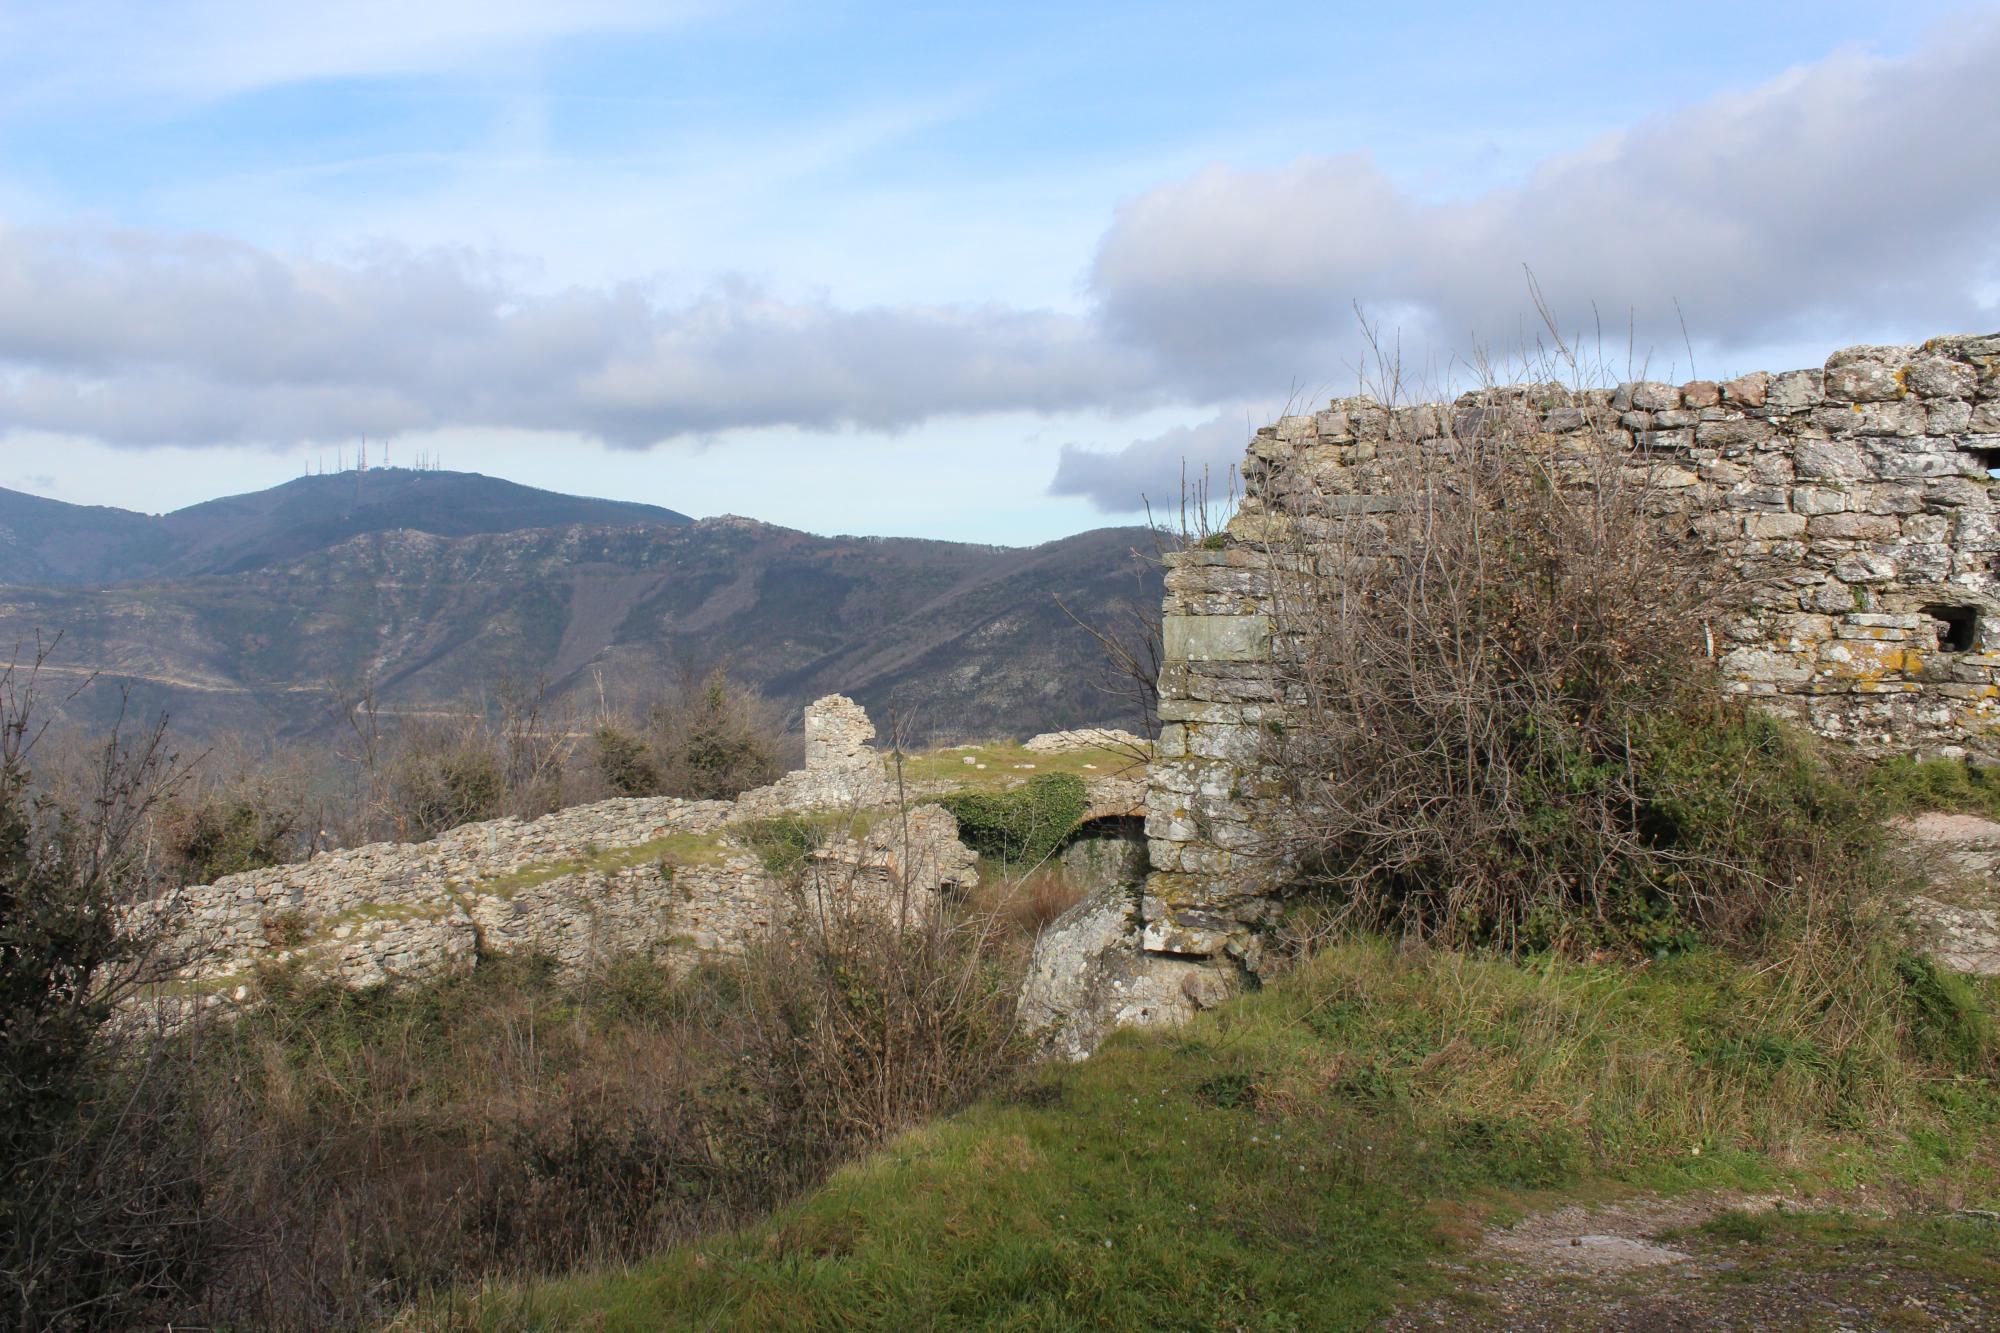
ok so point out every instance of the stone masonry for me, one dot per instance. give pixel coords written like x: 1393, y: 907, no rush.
x: 571, y: 884
x: 1854, y: 505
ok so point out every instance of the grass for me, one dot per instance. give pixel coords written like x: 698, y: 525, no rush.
x: 784, y: 843
x: 1908, y: 786
x: 1009, y: 763
x: 684, y: 849
x: 1297, y: 1159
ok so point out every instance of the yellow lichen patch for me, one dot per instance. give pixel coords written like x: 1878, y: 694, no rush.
x: 1865, y: 659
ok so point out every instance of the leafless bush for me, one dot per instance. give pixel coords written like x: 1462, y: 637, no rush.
x: 1501, y: 719
x: 874, y: 1012
x: 99, y: 1215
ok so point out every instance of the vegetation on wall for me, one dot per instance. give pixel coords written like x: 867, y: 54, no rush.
x: 1020, y: 825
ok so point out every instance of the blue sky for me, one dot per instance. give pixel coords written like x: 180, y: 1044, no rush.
x: 981, y: 272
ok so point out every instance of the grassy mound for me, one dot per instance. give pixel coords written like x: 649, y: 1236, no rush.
x: 1297, y: 1159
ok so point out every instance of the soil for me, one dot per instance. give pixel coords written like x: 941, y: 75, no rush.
x: 1720, y: 1262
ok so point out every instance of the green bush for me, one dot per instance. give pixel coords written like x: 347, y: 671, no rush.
x: 432, y: 790
x: 624, y: 762
x: 1021, y: 825
x: 784, y: 842
x: 218, y: 835
x: 714, y: 741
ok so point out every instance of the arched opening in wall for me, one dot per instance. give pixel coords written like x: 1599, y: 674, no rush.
x: 1106, y: 851
x: 1957, y: 627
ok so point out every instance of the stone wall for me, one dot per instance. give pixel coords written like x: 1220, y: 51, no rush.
x: 679, y: 879
x: 1854, y: 507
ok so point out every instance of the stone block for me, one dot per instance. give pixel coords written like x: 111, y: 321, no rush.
x: 1653, y: 396
x: 1947, y: 416
x: 1774, y: 527
x: 1747, y: 390
x: 1864, y: 382
x: 1748, y: 495
x: 1864, y: 567
x: 1794, y: 391
x: 1898, y: 464
x: 1941, y: 377
x: 1831, y: 460
x: 1734, y: 434
x: 1760, y: 664
x: 1819, y: 500
x: 1887, y: 498
x: 1216, y: 638
x: 1855, y: 527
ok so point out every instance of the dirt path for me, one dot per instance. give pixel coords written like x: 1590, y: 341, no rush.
x: 1723, y: 1262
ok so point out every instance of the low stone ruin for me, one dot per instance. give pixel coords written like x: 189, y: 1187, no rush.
x: 674, y: 878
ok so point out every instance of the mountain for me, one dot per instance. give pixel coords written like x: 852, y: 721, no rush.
x: 49, y: 542
x: 261, y: 613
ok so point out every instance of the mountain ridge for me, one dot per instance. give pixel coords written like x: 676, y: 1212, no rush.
x: 237, y: 631
x: 46, y: 541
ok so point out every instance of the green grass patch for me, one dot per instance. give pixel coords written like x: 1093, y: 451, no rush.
x: 1297, y: 1158
x: 784, y: 843
x: 1910, y: 786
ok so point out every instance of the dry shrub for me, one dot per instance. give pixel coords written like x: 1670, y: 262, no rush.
x: 1503, y: 724
x: 701, y: 737
x: 859, y: 1029
x: 353, y: 1151
x: 1027, y: 905
x: 99, y: 1195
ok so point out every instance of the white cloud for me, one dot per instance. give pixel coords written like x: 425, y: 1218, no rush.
x: 1851, y: 200
x: 1859, y: 194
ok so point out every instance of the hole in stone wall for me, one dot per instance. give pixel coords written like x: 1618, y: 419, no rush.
x: 1989, y: 459
x: 1957, y: 627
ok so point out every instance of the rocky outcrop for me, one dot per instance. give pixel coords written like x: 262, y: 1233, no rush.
x: 1086, y: 738
x: 1090, y: 975
x: 1959, y: 920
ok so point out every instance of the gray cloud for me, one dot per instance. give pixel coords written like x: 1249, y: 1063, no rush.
x: 137, y: 338
x: 1152, y: 470
x: 1840, y: 198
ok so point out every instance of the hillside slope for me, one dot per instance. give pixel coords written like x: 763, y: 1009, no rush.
x: 1311, y: 1156
x: 952, y: 639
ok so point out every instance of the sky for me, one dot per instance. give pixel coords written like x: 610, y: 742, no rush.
x: 992, y: 273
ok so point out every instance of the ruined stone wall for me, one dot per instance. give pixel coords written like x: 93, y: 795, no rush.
x: 675, y: 878
x: 1854, y: 506
x: 679, y: 880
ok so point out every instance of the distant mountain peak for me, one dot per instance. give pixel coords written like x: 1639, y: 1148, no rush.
x: 52, y: 542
